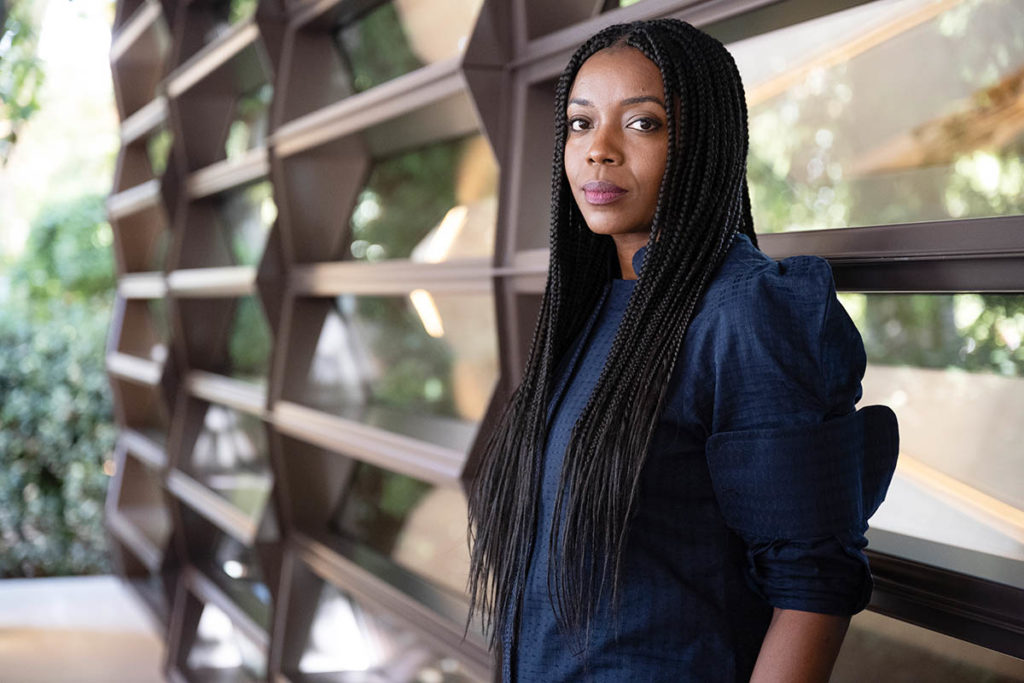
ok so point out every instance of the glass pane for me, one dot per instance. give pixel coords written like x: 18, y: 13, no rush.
x: 226, y: 14
x: 157, y: 255
x: 230, y: 457
x: 431, y: 204
x: 415, y: 34
x: 141, y: 502
x: 234, y: 567
x: 952, y: 368
x: 144, y: 329
x: 419, y: 526
x: 237, y: 571
x: 249, y: 344
x: 829, y: 149
x: 878, y: 648
x: 346, y: 639
x: 144, y: 410
x: 159, y: 319
x: 158, y: 148
x: 246, y: 216
x: 419, y: 365
x: 249, y: 126
x: 219, y: 646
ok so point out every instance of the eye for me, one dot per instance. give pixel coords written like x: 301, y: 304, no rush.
x: 577, y: 124
x: 645, y: 124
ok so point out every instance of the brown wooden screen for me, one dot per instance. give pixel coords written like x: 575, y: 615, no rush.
x: 330, y: 222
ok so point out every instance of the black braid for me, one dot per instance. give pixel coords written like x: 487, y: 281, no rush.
x: 702, y: 203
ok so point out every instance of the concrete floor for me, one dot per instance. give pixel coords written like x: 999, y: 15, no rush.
x: 83, y: 629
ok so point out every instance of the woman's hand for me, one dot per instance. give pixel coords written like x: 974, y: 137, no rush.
x: 800, y: 647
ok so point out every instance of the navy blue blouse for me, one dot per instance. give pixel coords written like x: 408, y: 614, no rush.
x: 757, y: 488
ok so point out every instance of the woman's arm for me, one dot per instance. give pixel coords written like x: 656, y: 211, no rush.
x: 800, y: 647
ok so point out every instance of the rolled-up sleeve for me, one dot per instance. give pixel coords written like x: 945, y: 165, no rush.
x: 796, y: 469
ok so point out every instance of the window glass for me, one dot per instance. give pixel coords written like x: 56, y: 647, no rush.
x: 415, y: 33
x: 141, y: 502
x: 230, y: 457
x: 144, y: 409
x: 144, y: 330
x: 878, y: 648
x: 158, y: 318
x: 249, y: 343
x: 952, y: 368
x: 419, y: 526
x: 885, y: 113
x: 219, y: 646
x: 248, y: 128
x: 347, y: 638
x: 246, y: 216
x: 429, y: 205
x: 158, y: 148
x: 420, y: 365
x: 227, y: 13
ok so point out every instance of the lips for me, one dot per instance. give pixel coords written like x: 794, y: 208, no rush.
x: 602, y: 192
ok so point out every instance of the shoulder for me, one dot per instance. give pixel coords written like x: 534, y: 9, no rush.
x: 750, y: 287
x: 772, y: 341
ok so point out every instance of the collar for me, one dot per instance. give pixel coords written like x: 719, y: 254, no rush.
x: 638, y: 259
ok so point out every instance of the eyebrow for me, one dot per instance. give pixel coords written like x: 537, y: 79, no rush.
x: 629, y: 100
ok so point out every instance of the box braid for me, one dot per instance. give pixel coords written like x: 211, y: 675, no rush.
x: 702, y: 203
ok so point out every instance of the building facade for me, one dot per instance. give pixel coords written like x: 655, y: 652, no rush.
x: 331, y: 225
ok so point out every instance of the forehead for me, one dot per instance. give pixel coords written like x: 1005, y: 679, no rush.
x: 617, y: 73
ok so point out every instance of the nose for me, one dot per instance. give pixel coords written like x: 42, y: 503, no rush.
x: 604, y: 147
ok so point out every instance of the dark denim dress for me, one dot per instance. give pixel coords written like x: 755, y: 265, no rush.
x: 757, y: 488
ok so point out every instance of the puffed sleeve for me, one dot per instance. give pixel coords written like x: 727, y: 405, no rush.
x: 796, y: 469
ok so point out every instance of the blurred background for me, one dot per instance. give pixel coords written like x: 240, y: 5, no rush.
x: 269, y: 267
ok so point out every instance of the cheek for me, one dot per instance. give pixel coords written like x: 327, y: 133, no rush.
x: 570, y: 159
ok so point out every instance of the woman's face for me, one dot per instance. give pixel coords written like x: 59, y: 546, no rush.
x: 617, y: 142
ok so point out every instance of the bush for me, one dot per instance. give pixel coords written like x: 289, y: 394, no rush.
x: 56, y: 425
x: 56, y: 430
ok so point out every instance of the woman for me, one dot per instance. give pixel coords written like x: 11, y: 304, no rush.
x: 679, y: 487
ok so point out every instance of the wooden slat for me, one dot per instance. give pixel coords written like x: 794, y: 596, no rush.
x: 213, y: 507
x: 141, y: 21
x: 440, y: 631
x: 424, y: 461
x: 213, y: 55
x: 134, y: 199
x: 142, y: 286
x: 148, y: 117
x: 133, y: 369
x: 210, y: 593
x: 396, y: 97
x: 229, y: 281
x: 233, y: 393
x: 224, y: 175
x: 137, y: 542
x: 143, y: 448
x: 399, y: 276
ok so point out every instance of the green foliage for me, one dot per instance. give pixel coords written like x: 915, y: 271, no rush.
x: 56, y: 426
x: 68, y: 254
x: 250, y: 342
x: 362, y: 42
x: 417, y: 368
x: 55, y: 432
x: 21, y: 75
x: 405, y: 196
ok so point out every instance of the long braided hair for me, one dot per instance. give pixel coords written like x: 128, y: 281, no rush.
x: 702, y: 203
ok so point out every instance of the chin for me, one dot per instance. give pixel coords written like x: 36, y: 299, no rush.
x: 602, y: 228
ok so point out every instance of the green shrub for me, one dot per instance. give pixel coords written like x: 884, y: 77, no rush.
x: 56, y: 431
x: 56, y: 424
